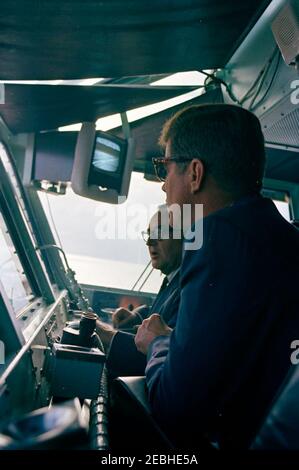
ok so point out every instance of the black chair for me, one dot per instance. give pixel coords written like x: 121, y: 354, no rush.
x: 280, y: 430
x: 131, y: 422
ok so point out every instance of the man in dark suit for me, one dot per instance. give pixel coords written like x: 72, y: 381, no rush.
x: 216, y: 374
x: 165, y: 251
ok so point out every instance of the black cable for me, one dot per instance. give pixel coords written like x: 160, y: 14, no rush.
x: 259, y: 81
x: 222, y: 82
x: 262, y: 75
x: 251, y: 90
x: 269, y: 86
x: 268, y: 67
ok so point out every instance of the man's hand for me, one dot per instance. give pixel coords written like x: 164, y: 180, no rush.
x: 149, y: 329
x: 105, y: 332
x: 124, y: 318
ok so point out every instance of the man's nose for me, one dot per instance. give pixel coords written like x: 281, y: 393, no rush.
x: 163, y: 187
x: 151, y: 242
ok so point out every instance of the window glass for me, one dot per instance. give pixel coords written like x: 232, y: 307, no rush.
x: 97, y: 237
x: 12, y: 277
x: 284, y: 209
x: 19, y: 200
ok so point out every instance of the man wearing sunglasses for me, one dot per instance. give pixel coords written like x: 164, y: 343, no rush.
x: 165, y: 250
x: 218, y: 371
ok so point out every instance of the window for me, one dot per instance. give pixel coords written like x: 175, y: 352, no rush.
x: 12, y: 177
x: 284, y: 209
x: 79, y: 223
x: 12, y: 276
x: 14, y: 182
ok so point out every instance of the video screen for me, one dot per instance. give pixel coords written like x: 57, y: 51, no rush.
x: 106, y: 155
x: 107, y: 161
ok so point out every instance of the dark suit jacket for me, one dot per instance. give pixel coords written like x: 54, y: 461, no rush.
x: 123, y: 358
x: 238, y: 315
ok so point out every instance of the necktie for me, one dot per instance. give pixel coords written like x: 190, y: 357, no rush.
x: 164, y: 284
x: 160, y: 296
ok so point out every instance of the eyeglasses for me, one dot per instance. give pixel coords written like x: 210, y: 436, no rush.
x: 160, y: 234
x: 160, y: 165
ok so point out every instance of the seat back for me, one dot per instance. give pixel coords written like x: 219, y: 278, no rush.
x: 131, y: 422
x: 281, y: 427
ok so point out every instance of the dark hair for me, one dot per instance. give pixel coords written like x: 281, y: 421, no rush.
x: 228, y: 139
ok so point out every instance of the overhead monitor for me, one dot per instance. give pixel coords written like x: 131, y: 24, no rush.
x: 103, y: 165
x: 108, y: 159
x: 53, y: 156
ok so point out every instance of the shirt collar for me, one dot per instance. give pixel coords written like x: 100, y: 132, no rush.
x: 172, y: 274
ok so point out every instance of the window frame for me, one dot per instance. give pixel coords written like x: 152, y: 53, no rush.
x: 22, y: 240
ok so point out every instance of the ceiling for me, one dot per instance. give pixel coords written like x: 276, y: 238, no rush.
x: 32, y: 108
x: 67, y: 39
x: 71, y: 40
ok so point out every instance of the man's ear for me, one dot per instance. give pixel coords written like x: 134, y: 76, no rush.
x: 197, y: 172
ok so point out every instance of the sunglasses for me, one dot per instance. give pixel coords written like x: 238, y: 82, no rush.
x: 160, y: 165
x: 161, y: 234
